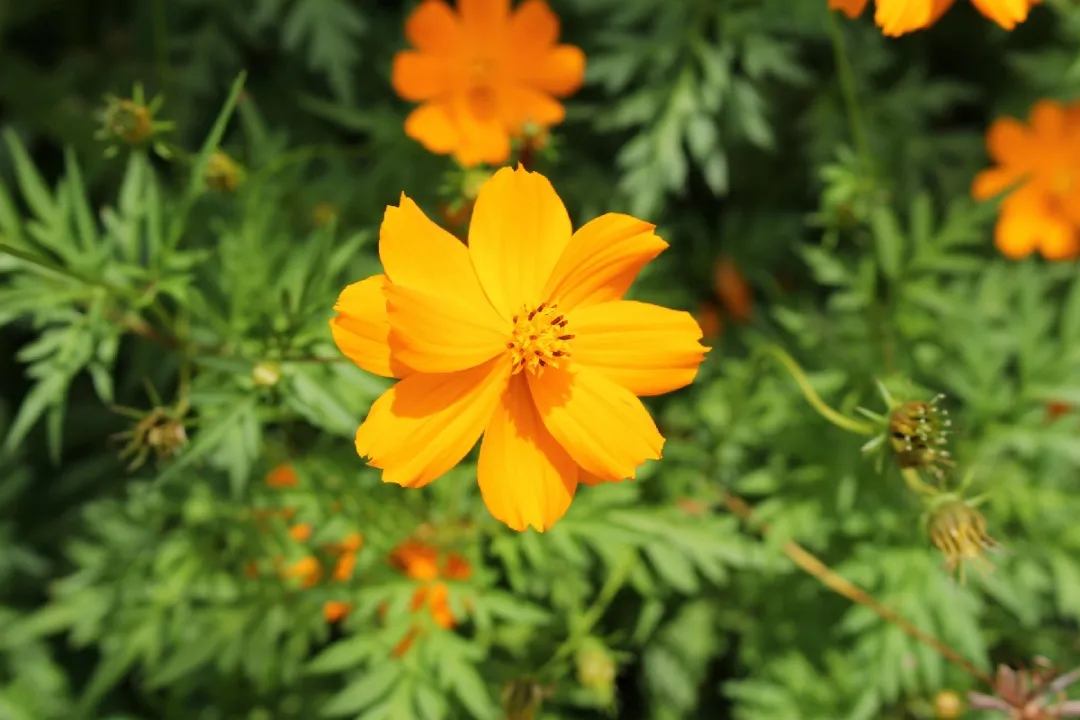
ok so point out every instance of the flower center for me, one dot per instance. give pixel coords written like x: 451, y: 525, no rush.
x: 540, y: 339
x: 480, y: 92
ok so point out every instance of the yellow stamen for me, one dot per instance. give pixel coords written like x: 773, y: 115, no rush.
x: 540, y: 339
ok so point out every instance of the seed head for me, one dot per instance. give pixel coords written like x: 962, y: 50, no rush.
x: 918, y: 433
x: 958, y: 530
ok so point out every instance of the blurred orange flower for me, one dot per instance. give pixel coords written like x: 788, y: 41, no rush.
x: 1043, y: 212
x: 307, y: 569
x: 482, y: 74
x: 732, y: 290
x: 897, y: 17
x: 335, y: 610
x: 522, y: 337
x: 423, y: 562
x: 301, y: 532
x: 282, y: 476
x: 708, y: 317
x: 1056, y: 409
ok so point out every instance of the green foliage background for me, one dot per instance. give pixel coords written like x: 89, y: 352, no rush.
x: 123, y: 594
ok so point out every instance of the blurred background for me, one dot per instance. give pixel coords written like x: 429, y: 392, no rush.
x: 186, y: 530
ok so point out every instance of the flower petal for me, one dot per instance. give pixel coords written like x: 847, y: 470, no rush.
x: 361, y: 328
x: 526, y: 478
x: 519, y: 105
x: 533, y: 27
x: 647, y: 349
x: 419, y: 255
x: 424, y: 425
x: 897, y: 17
x: 602, y: 260
x: 418, y: 76
x: 561, y: 71
x: 433, y: 27
x: 992, y: 182
x: 482, y: 138
x: 519, y: 229
x: 607, y: 430
x: 1006, y: 13
x: 851, y: 8
x: 438, y: 335
x: 1010, y: 143
x: 432, y: 126
x: 484, y: 21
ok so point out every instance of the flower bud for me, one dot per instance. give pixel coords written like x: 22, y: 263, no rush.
x: 958, y: 530
x: 948, y: 705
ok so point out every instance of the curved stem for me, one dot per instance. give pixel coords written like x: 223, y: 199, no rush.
x: 823, y: 409
x: 831, y: 579
x: 916, y: 484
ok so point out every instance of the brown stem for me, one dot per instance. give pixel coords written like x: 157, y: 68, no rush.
x: 807, y: 562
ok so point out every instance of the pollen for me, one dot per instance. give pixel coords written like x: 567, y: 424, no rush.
x: 540, y: 339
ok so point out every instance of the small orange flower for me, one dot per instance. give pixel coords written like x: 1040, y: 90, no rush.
x: 343, y: 568
x: 308, y: 570
x: 335, y: 610
x: 301, y: 532
x: 482, y: 75
x: 522, y: 337
x: 420, y: 561
x: 1043, y: 212
x: 897, y: 17
x: 732, y: 290
x: 282, y: 476
x: 1056, y: 409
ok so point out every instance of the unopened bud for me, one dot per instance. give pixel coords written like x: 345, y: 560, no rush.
x: 222, y: 172
x: 958, y: 530
x: 596, y: 668
x: 266, y: 374
x: 948, y: 705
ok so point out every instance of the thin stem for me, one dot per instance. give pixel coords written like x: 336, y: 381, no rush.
x: 847, y: 89
x: 828, y: 577
x: 607, y: 593
x: 823, y: 409
x: 916, y: 483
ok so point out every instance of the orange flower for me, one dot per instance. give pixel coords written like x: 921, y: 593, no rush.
x: 301, y: 532
x: 1043, y: 212
x: 482, y: 74
x: 343, y: 568
x: 522, y: 337
x: 732, y: 290
x: 282, y: 476
x: 421, y: 561
x: 335, y: 610
x: 307, y: 569
x: 897, y: 17
x: 1056, y: 409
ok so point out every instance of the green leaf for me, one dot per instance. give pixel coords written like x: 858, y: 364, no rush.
x: 342, y: 655
x: 207, y: 439
x: 364, y: 692
x: 47, y: 392
x: 889, y: 241
x: 331, y: 29
x: 31, y: 183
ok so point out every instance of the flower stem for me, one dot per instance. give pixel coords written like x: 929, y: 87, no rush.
x: 847, y: 89
x: 828, y: 577
x: 607, y: 593
x: 823, y: 409
x: 916, y: 483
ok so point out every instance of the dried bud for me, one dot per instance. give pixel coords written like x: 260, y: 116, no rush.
x: 1037, y: 694
x: 160, y: 431
x: 127, y: 120
x: 266, y: 374
x: 948, y: 705
x: 959, y: 532
x: 522, y: 698
x: 918, y: 432
x: 222, y: 172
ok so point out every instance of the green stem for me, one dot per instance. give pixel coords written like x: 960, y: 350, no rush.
x: 916, y: 484
x: 823, y: 409
x: 607, y: 593
x: 847, y: 89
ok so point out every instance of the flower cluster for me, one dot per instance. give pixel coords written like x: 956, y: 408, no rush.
x: 426, y: 564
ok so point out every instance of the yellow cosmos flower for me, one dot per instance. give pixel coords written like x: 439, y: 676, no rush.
x: 897, y: 17
x: 522, y: 337
x: 484, y: 74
